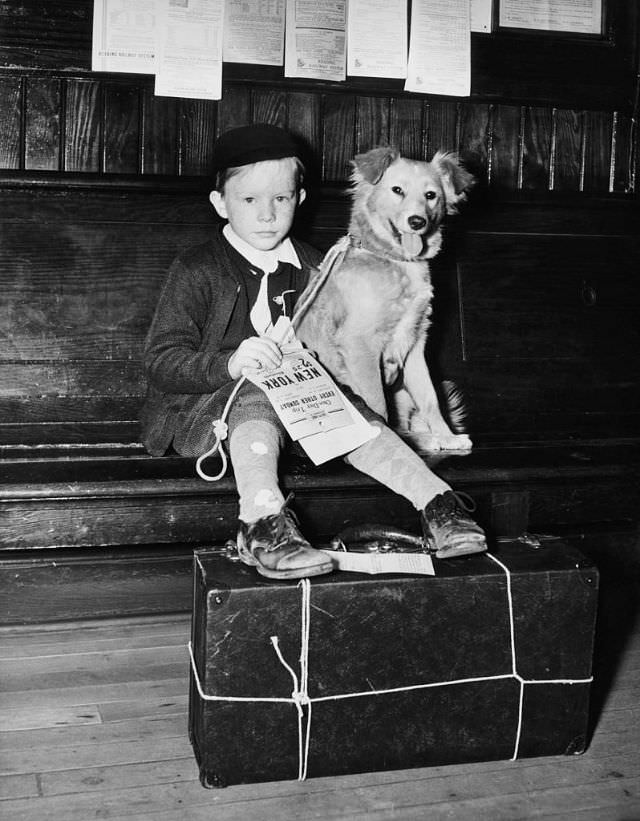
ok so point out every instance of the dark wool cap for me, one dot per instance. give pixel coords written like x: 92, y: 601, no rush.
x: 252, y: 143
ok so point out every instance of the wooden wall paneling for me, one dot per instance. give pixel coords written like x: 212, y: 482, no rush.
x: 622, y: 154
x: 269, y: 105
x: 338, y: 136
x: 443, y: 127
x: 567, y: 150
x: 160, y: 144
x: 83, y: 105
x: 235, y: 107
x: 536, y: 148
x: 197, y: 136
x: 474, y: 139
x: 42, y: 124
x: 121, y: 148
x: 407, y: 126
x: 11, y: 96
x: 506, y: 147
x: 304, y: 122
x: 598, y: 152
x: 372, y: 123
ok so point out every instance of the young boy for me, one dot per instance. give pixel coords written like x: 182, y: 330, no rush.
x: 219, y: 302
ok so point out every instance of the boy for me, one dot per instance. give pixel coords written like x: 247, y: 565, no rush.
x: 219, y: 301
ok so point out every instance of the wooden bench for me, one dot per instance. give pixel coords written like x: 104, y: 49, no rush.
x: 535, y: 319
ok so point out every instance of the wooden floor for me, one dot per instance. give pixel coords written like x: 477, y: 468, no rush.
x: 94, y: 719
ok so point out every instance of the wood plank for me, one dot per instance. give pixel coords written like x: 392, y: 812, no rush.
x: 42, y: 124
x: 39, y: 717
x: 270, y: 106
x: 443, y: 127
x: 147, y: 707
x: 537, y: 149
x: 83, y: 124
x: 70, y: 696
x: 598, y: 151
x: 474, y: 137
x: 87, y: 735
x: 372, y: 123
x: 622, y: 175
x: 10, y: 105
x: 160, y: 127
x: 117, y: 662
x: 506, y: 147
x: 121, y: 125
x: 304, y: 121
x: 19, y: 786
x: 338, y: 139
x: 197, y: 136
x: 567, y: 150
x: 407, y: 127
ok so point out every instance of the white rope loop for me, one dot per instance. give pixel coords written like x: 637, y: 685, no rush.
x: 300, y: 695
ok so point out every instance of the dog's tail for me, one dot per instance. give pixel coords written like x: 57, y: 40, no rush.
x: 456, y: 406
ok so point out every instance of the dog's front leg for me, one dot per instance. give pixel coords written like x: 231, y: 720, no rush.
x: 362, y: 373
x: 427, y: 428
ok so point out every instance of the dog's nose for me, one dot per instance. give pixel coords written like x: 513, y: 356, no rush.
x: 416, y: 222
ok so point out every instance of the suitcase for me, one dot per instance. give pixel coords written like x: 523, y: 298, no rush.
x: 344, y: 673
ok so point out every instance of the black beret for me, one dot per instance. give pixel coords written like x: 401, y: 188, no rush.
x: 252, y: 143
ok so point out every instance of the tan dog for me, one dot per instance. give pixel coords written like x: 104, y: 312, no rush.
x: 368, y: 321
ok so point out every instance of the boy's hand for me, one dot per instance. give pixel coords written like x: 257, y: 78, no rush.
x: 255, y: 352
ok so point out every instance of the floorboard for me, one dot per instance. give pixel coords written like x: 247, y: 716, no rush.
x: 94, y: 726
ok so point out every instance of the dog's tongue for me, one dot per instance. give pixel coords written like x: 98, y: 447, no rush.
x: 411, y: 244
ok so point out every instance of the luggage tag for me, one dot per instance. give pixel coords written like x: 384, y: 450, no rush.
x: 375, y: 563
x: 311, y: 407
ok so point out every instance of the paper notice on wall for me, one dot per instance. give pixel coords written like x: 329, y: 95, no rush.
x: 377, y: 38
x: 583, y: 16
x: 316, y: 39
x: 254, y: 32
x: 124, y: 36
x: 440, y: 48
x: 482, y: 16
x: 189, y: 49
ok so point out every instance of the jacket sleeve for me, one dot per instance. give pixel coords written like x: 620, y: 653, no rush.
x: 179, y: 356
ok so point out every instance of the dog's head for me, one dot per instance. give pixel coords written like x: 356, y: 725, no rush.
x: 400, y: 203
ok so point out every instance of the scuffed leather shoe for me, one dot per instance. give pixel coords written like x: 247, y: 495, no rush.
x: 449, y: 530
x: 277, y: 549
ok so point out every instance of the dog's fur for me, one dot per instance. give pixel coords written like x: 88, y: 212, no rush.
x: 368, y: 322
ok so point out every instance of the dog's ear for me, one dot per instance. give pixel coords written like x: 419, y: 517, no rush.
x: 371, y: 166
x: 456, y: 180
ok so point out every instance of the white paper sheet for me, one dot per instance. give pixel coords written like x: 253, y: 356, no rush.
x: 583, y: 16
x: 254, y: 32
x: 440, y: 48
x: 189, y: 52
x: 124, y: 34
x: 482, y: 16
x: 374, y: 563
x: 377, y: 38
x: 316, y: 39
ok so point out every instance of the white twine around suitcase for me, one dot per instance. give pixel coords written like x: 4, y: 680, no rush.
x: 300, y: 696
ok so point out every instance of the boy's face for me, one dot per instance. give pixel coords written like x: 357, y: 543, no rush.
x: 260, y: 202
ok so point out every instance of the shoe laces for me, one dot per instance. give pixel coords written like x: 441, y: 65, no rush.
x: 286, y: 527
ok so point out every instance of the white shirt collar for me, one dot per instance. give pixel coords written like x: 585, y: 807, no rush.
x: 267, y: 261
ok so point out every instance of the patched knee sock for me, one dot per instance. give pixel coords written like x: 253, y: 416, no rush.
x: 390, y: 461
x: 254, y: 449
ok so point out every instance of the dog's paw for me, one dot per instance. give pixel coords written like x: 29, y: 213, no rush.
x: 432, y: 442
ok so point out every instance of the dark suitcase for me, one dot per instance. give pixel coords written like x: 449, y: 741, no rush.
x: 489, y: 659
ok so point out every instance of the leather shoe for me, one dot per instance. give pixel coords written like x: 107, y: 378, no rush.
x: 277, y: 549
x: 448, y: 528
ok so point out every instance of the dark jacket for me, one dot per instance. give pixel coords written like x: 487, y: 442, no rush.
x: 184, y: 358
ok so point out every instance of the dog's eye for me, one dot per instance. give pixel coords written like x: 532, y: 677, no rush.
x: 431, y: 195
x: 397, y: 190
